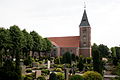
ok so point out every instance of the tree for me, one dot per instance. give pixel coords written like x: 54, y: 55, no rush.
x: 28, y: 42
x: 104, y: 50
x: 37, y: 42
x: 17, y: 39
x: 48, y: 45
x: 67, y: 58
x: 91, y: 75
x: 80, y: 64
x: 73, y: 57
x: 118, y: 72
x: 117, y: 52
x: 113, y: 54
x: 4, y: 43
x: 7, y: 71
x: 97, y: 59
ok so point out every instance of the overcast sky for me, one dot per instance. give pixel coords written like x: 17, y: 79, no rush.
x: 54, y: 18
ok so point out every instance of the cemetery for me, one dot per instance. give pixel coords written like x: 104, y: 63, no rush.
x: 26, y: 56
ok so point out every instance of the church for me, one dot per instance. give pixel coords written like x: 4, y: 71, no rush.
x: 78, y: 45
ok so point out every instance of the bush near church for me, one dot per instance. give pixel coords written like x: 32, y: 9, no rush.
x: 41, y: 78
x: 53, y: 76
x: 60, y: 76
x: 91, y: 75
x: 76, y: 77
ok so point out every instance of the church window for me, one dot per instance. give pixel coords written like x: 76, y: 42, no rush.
x: 84, y: 37
x: 84, y: 30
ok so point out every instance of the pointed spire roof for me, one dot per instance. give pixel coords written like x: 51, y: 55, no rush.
x: 84, y: 21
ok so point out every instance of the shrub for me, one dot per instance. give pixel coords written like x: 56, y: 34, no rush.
x: 53, y: 76
x: 40, y: 62
x: 27, y: 61
x: 45, y: 71
x: 89, y: 59
x: 91, y: 75
x: 76, y: 77
x: 41, y: 78
x: 57, y: 60
x: 68, y: 65
x: 29, y: 76
x: 58, y: 69
x: 60, y: 66
x: 36, y: 60
x: 80, y: 65
x: 35, y: 64
x: 60, y: 76
x: 28, y: 70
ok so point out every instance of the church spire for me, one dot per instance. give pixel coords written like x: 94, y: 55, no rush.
x: 84, y: 21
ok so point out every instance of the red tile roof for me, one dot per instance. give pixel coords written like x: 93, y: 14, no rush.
x: 70, y: 41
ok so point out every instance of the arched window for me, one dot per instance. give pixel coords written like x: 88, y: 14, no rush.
x: 84, y: 44
x: 84, y: 37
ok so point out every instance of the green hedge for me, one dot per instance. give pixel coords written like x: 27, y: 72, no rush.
x: 45, y: 71
x: 60, y: 76
x: 76, y: 77
x: 53, y: 76
x: 41, y: 78
x: 29, y: 70
x: 91, y: 75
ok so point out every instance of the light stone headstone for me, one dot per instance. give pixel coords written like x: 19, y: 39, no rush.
x: 23, y: 69
x: 48, y: 64
x: 38, y: 73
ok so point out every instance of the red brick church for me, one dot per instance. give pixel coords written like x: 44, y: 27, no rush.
x: 79, y: 45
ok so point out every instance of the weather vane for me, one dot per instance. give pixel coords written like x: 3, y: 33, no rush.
x: 84, y: 5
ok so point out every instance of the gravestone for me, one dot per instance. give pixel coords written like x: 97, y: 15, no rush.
x: 48, y: 64
x: 23, y: 69
x: 37, y: 73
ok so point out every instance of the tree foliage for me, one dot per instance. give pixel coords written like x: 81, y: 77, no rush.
x: 97, y: 59
x: 104, y: 50
x: 91, y: 75
x: 80, y: 64
x: 76, y: 77
x: 53, y: 76
x: 67, y: 58
x: 16, y: 44
x: 41, y: 78
x: 60, y: 76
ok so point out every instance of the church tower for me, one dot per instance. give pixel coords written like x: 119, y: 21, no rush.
x: 85, y: 36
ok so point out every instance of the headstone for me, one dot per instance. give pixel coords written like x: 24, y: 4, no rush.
x: 48, y: 64
x: 21, y: 63
x: 23, y: 69
x: 37, y: 73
